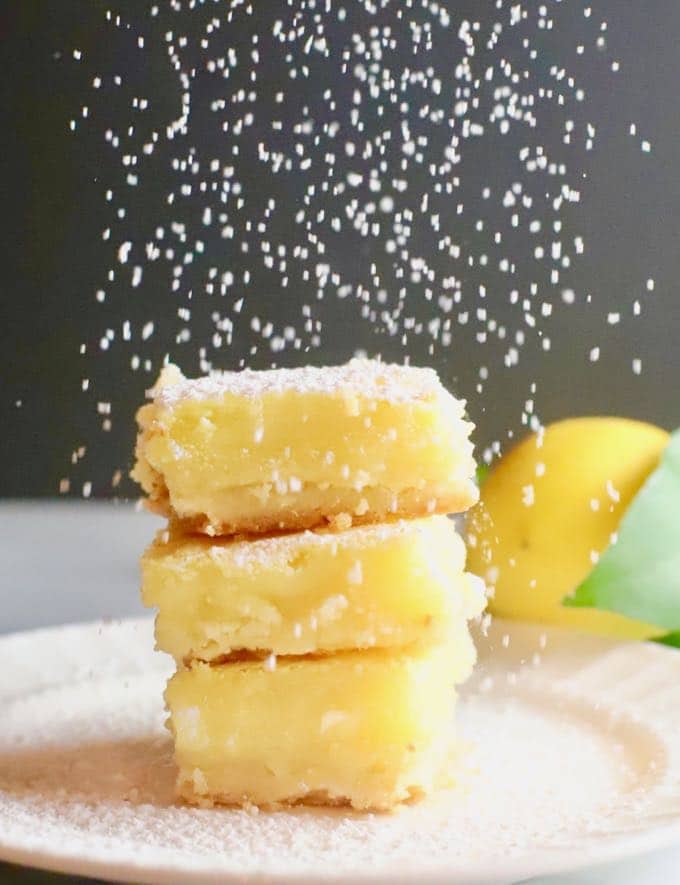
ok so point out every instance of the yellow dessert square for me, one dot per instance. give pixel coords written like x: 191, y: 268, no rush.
x: 295, y: 448
x: 374, y: 585
x: 368, y: 728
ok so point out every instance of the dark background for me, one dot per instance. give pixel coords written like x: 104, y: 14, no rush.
x: 53, y: 259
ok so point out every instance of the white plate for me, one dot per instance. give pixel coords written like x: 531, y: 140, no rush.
x: 574, y: 758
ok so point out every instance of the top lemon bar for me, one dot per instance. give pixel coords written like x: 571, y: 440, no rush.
x: 290, y: 449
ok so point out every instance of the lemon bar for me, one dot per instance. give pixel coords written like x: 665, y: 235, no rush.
x: 367, y: 728
x: 256, y: 451
x: 374, y: 585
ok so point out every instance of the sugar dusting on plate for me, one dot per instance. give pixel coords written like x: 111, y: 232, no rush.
x: 568, y: 762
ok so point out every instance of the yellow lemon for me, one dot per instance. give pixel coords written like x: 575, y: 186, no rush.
x: 550, y: 507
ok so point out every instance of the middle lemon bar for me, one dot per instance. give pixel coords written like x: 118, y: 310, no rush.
x: 368, y: 586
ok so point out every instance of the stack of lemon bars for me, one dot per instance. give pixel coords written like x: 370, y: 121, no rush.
x: 309, y: 584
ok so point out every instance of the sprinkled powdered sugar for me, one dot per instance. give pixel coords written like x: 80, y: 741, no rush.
x: 359, y: 378
x: 288, y: 162
x: 280, y: 548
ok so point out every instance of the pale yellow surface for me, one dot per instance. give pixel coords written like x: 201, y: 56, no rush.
x: 372, y: 728
x: 547, y: 505
x: 383, y: 585
x: 226, y: 457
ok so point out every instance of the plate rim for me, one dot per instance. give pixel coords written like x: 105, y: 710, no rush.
x: 551, y: 861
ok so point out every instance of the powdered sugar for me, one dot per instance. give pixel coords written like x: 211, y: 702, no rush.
x: 359, y: 378
x: 278, y: 548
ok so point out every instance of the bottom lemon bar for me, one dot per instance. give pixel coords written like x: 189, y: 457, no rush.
x: 366, y: 728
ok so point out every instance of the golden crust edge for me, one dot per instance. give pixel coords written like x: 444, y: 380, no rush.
x: 407, y: 795
x: 411, y: 504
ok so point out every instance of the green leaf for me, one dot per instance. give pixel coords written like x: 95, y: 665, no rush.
x: 672, y: 639
x: 483, y: 470
x: 639, y: 575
